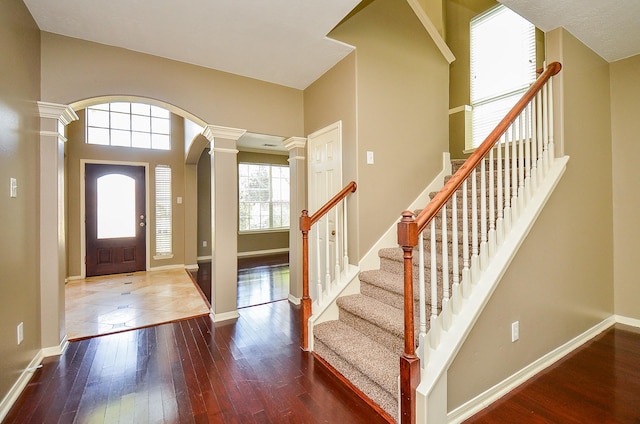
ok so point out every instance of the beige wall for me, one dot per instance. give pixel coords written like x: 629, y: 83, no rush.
x: 402, y: 103
x: 625, y: 128
x: 560, y: 283
x: 329, y: 99
x: 19, y: 217
x: 204, y: 203
x: 77, y: 149
x: 74, y: 70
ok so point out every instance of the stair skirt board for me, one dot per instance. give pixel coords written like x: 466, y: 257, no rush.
x: 354, y: 389
x: 486, y: 398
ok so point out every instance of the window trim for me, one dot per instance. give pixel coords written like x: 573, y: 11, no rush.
x: 163, y: 190
x: 271, y: 202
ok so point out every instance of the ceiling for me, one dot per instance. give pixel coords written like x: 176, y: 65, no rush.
x: 279, y: 41
x: 610, y: 28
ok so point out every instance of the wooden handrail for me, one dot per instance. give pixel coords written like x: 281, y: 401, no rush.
x: 434, y: 206
x: 306, y: 222
x: 409, y: 229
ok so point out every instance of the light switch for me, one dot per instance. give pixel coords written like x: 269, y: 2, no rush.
x: 179, y: 200
x: 369, y: 158
x: 13, y: 187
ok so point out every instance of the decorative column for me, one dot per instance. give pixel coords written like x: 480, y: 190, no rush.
x: 297, y: 202
x: 53, y: 120
x: 224, y: 221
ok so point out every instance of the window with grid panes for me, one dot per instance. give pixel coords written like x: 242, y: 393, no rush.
x: 263, y: 194
x: 127, y: 124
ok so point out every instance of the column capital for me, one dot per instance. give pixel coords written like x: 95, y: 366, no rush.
x: 212, y: 132
x: 294, y: 142
x: 62, y: 113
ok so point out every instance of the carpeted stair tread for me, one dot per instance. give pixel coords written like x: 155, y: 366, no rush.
x: 362, y: 353
x: 396, y: 254
x: 384, y: 316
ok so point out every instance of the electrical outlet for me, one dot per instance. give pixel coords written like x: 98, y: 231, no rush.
x: 515, y: 331
x: 20, y: 332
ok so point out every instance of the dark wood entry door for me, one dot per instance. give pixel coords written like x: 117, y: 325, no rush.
x: 115, y: 219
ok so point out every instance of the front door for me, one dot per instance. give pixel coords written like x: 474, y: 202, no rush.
x: 115, y: 219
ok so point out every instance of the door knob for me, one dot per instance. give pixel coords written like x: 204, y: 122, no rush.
x: 142, y: 224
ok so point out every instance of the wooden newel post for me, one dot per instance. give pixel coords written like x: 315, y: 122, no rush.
x: 305, y: 302
x: 409, y: 362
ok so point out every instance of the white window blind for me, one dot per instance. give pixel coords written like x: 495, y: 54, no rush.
x: 503, y: 65
x: 263, y: 193
x: 163, y: 211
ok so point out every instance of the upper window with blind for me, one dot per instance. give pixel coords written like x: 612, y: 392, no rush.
x: 503, y: 65
x: 127, y: 124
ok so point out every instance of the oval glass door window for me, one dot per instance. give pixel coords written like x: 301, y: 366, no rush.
x: 116, y: 206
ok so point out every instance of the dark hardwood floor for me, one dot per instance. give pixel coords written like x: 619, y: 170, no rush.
x: 249, y: 370
x: 597, y: 383
x: 261, y: 279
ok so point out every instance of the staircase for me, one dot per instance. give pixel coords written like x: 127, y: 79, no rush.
x: 365, y: 342
x: 452, y: 255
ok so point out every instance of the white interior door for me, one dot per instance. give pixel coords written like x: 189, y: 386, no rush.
x: 324, y: 148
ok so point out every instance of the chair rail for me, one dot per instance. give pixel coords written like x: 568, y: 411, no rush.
x: 306, y: 222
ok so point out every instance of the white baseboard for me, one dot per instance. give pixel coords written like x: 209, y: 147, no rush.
x: 192, y: 267
x: 56, y: 350
x: 75, y: 277
x: 166, y: 267
x: 204, y: 258
x: 627, y: 321
x: 390, y: 238
x: 262, y: 252
x: 294, y: 300
x: 224, y: 316
x: 483, y: 400
x: 19, y: 385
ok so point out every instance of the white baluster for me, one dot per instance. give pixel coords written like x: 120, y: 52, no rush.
x: 466, y: 271
x: 455, y: 260
x: 521, y: 164
x: 499, y: 198
x: 345, y: 237
x: 423, y: 299
x: 534, y: 144
x: 475, y: 255
x: 433, y: 330
x: 527, y: 154
x: 446, y: 307
x: 319, y: 266
x: 492, y: 199
x: 540, y: 138
x: 327, y: 260
x: 336, y: 246
x: 545, y: 129
x: 552, y: 148
x: 515, y: 213
x: 507, y: 180
x: 484, y: 248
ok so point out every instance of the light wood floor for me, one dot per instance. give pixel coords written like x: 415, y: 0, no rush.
x: 114, y: 303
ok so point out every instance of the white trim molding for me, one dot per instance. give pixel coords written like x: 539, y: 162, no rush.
x: 212, y: 132
x: 633, y: 322
x: 295, y: 142
x: 63, y: 113
x: 223, y: 150
x: 431, y: 30
x: 262, y: 252
x: 293, y: 299
x: 166, y: 267
x: 224, y: 316
x: 17, y: 388
x: 204, y: 258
